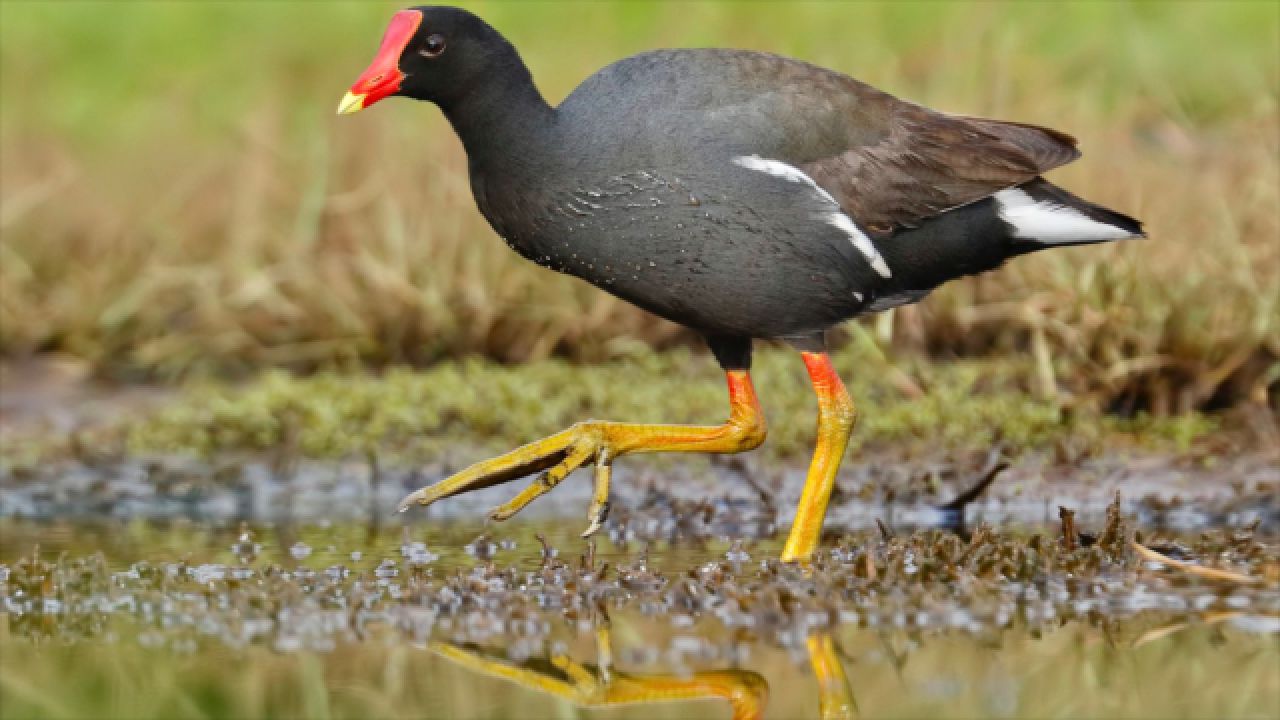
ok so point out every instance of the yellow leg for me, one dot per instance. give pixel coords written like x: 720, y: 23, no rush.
x: 568, y: 687
x: 835, y: 699
x: 745, y: 691
x: 560, y: 454
x: 836, y: 417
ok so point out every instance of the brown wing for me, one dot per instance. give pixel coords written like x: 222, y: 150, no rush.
x: 888, y: 162
x: 926, y: 162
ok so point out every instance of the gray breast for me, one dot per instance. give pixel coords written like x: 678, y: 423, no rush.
x: 687, y: 245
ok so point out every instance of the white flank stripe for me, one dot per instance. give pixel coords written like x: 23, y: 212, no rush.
x: 837, y: 218
x: 860, y: 241
x: 777, y: 168
x: 1050, y: 223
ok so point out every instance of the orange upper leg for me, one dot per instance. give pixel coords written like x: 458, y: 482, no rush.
x: 744, y: 430
x: 836, y: 416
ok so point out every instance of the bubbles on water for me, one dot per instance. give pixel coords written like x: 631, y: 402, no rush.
x: 387, y: 569
x: 923, y: 582
x: 482, y: 548
x: 208, y: 573
x: 417, y: 554
x: 245, y: 549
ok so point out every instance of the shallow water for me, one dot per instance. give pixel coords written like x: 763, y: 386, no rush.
x: 179, y: 617
x: 170, y: 587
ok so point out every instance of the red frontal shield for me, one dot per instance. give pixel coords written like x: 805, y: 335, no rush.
x: 383, y: 76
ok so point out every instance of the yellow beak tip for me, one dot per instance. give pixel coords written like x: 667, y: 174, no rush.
x: 351, y: 103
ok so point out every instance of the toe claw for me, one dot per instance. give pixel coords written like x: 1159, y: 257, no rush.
x: 422, y: 496
x: 407, y: 502
x: 596, y: 516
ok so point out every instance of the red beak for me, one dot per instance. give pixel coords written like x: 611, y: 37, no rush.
x: 383, y: 77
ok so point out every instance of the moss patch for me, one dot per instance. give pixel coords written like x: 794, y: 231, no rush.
x: 416, y: 415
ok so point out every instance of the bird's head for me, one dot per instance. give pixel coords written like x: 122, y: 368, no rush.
x: 428, y: 53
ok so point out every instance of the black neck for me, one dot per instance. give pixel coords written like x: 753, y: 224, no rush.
x: 503, y: 118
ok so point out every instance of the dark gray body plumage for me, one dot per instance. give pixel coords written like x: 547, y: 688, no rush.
x: 658, y: 213
x: 631, y: 184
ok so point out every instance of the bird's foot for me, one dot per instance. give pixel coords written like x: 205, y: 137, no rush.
x: 553, y: 457
x: 570, y: 681
x: 601, y: 442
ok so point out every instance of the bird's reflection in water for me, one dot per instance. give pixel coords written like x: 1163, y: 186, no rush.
x: 746, y: 692
x: 835, y: 698
x: 599, y: 685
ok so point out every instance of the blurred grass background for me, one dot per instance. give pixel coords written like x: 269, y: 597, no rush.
x: 177, y: 198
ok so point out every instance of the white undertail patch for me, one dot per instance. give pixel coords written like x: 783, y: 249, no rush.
x: 1051, y: 223
x: 836, y: 218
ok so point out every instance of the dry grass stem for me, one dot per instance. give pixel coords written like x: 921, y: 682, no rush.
x: 1201, y: 571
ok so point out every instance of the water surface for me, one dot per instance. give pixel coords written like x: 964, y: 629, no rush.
x: 199, y: 618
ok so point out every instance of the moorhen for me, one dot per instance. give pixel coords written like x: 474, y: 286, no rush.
x: 741, y: 194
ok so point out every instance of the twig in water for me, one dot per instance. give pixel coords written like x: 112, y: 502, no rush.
x: 1113, y: 535
x: 996, y: 464
x: 1192, y: 569
x: 1164, y: 631
x: 1068, y: 517
x: 885, y: 532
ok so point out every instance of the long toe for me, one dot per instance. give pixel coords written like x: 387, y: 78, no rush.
x: 579, y: 454
x: 521, y: 462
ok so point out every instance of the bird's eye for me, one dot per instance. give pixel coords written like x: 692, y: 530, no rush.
x: 433, y: 47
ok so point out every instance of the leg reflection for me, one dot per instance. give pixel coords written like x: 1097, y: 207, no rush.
x: 835, y: 698
x: 599, y: 685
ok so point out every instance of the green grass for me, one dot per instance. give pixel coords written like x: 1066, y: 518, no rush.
x: 177, y: 199
x: 420, y: 416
